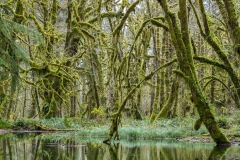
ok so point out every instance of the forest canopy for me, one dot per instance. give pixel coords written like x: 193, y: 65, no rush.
x: 108, y: 59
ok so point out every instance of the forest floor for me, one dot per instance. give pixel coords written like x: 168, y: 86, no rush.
x: 180, y: 129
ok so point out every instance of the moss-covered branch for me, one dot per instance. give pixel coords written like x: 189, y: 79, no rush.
x: 159, y: 24
x: 213, y: 78
x: 211, y: 62
x: 123, y: 20
x: 108, y: 14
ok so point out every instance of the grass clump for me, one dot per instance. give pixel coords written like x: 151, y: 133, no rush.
x: 53, y: 124
x: 163, y: 128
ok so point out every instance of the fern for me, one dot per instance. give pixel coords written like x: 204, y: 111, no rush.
x: 11, y: 52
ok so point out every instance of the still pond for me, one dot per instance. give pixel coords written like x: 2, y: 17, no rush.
x: 70, y: 146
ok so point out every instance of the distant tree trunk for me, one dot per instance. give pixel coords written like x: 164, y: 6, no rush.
x: 164, y: 79
x: 156, y: 100
x: 170, y: 101
x: 93, y: 74
x: 73, y: 100
x: 24, y: 102
x: 152, y: 95
x: 212, y: 88
x: 3, y: 97
x: 34, y: 93
x: 176, y: 105
x: 153, y: 81
x: 137, y: 114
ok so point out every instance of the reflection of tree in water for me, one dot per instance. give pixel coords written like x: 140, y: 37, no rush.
x: 94, y: 151
x: 166, y: 153
x: 71, y: 149
x: 4, y: 148
x: 50, y: 150
x: 134, y: 153
x: 35, y: 151
x: 182, y: 153
x: 118, y: 152
x: 153, y: 152
x: 9, y: 148
x: 218, y: 152
x: 113, y: 151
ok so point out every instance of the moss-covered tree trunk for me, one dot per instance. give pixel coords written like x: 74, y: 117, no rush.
x: 52, y: 82
x: 165, y: 76
x: 222, y: 55
x: 181, y: 40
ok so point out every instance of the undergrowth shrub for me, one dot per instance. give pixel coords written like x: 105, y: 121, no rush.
x: 5, y: 124
x: 223, y: 123
x: 24, y: 124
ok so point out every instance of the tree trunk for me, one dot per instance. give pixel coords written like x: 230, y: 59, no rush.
x: 181, y: 41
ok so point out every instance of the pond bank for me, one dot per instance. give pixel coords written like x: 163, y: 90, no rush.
x: 179, y: 129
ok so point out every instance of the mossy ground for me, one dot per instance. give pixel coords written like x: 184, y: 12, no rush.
x: 178, y: 128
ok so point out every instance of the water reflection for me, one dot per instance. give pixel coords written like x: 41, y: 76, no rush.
x: 64, y: 146
x: 219, y: 152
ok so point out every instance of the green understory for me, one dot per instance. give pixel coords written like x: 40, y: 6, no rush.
x: 177, y: 128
